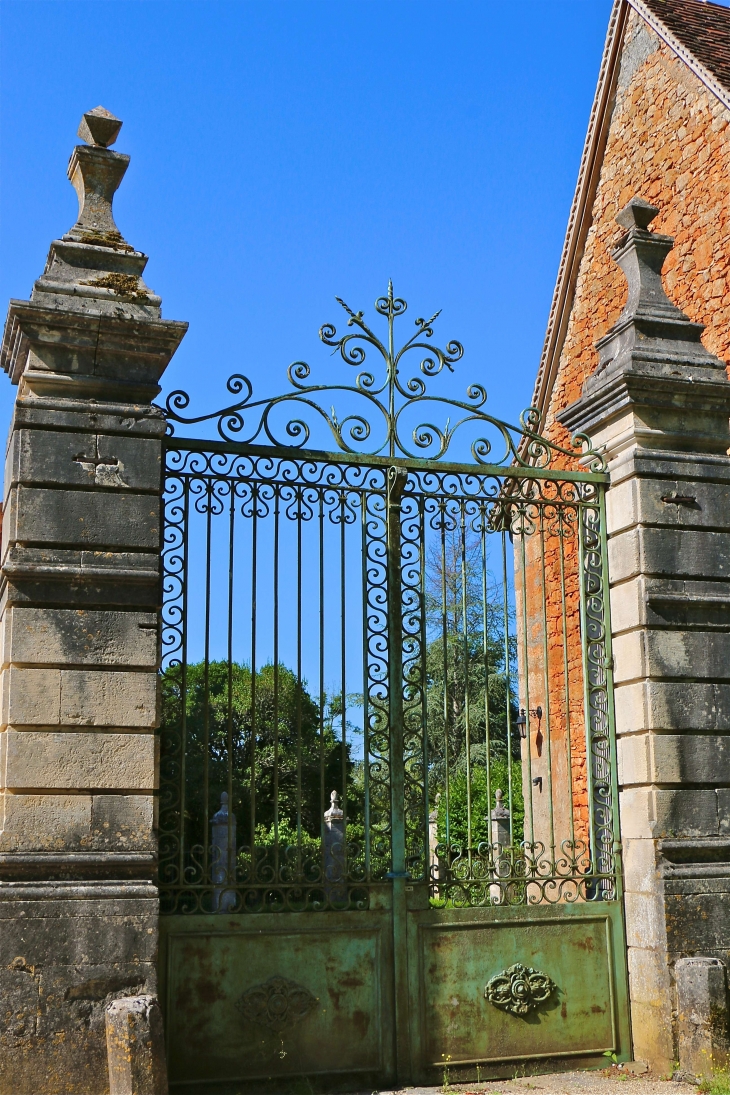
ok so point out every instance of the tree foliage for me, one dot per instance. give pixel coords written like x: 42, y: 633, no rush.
x: 281, y: 749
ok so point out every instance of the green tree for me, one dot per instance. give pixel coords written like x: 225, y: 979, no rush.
x: 467, y: 686
x: 270, y: 735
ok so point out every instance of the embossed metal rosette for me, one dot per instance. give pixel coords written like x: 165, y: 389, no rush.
x: 519, y: 989
x: 277, y: 1003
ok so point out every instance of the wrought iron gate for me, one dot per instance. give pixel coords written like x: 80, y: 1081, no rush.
x: 388, y: 817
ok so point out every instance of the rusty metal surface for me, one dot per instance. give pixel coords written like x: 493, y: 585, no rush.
x: 278, y: 996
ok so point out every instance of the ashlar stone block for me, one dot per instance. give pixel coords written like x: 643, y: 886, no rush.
x: 84, y: 459
x: 81, y: 761
x: 37, y: 636
x: 91, y: 698
x: 670, y: 552
x: 685, y: 813
x: 123, y: 822
x: 79, y: 697
x: 46, y: 822
x: 88, y: 518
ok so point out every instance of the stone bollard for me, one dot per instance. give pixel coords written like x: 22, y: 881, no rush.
x: 223, y: 870
x: 135, y: 1047
x: 702, y: 1015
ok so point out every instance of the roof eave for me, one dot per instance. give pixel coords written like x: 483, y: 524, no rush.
x: 579, y: 220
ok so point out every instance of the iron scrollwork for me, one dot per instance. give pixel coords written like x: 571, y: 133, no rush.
x: 519, y: 989
x: 380, y: 428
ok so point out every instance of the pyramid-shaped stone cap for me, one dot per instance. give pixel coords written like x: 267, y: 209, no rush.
x: 638, y: 213
x: 99, y: 127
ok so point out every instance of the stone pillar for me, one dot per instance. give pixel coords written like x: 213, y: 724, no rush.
x: 658, y: 406
x: 79, y: 629
x: 223, y: 847
x: 334, y: 852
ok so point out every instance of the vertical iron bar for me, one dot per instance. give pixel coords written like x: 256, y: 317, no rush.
x: 586, y: 683
x: 184, y: 682
x: 526, y: 662
x: 276, y: 681
x: 465, y: 646
x: 396, y: 483
x: 229, y: 698
x: 424, y: 679
x: 300, y: 517
x: 546, y: 677
x: 508, y: 688
x: 206, y: 684
x: 616, y: 859
x: 343, y: 674
x: 445, y: 671
x: 322, y: 697
x: 365, y: 678
x: 254, y: 608
x: 562, y: 517
x: 485, y: 650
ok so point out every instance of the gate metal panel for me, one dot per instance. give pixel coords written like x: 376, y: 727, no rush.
x: 421, y: 873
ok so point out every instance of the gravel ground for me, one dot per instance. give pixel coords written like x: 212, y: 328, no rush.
x: 604, y: 1082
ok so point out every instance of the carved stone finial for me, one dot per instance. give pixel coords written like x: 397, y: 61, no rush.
x: 99, y: 127
x: 335, y: 812
x: 499, y: 810
x: 638, y: 213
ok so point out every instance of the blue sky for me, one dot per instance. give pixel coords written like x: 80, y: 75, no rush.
x: 285, y: 152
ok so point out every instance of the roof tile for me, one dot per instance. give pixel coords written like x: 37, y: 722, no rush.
x: 703, y: 28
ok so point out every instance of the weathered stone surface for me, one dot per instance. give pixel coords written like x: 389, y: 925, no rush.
x: 697, y: 907
x: 702, y: 1015
x: 135, y: 1044
x: 46, y: 822
x: 79, y: 601
x: 674, y: 758
x: 685, y: 813
x: 84, y: 459
x: 123, y: 822
x: 84, y: 578
x: 53, y: 635
x: 83, y: 518
x: 68, y: 950
x: 640, y: 865
x: 78, y: 697
x: 648, y: 502
x: 671, y: 553
x: 666, y: 705
x: 83, y: 761
x: 648, y: 653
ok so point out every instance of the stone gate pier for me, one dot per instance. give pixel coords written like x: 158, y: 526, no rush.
x: 658, y: 404
x: 80, y: 595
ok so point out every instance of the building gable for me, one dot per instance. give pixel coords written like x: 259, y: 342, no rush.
x: 660, y: 130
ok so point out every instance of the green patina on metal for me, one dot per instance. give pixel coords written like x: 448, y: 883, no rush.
x: 376, y: 665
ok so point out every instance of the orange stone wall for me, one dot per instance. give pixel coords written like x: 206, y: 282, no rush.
x: 668, y: 142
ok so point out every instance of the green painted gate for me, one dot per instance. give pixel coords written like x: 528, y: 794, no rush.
x: 389, y: 846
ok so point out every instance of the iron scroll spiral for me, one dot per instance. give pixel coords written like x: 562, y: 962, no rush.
x: 379, y: 428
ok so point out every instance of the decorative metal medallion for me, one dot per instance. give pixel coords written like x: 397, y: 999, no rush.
x: 519, y: 989
x: 277, y: 1004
